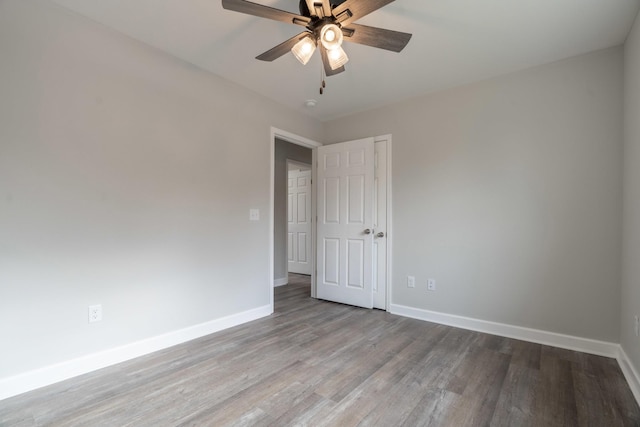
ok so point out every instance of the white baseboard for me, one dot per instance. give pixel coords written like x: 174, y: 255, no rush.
x: 22, y: 383
x: 630, y: 373
x: 585, y: 345
x: 281, y: 281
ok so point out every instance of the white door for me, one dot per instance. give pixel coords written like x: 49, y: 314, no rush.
x: 299, y: 221
x: 345, y: 188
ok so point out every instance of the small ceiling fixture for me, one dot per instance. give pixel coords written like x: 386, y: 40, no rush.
x: 328, y: 23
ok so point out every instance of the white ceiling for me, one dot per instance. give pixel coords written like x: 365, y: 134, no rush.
x: 454, y: 42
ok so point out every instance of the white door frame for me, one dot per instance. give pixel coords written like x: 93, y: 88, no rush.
x: 389, y: 235
x: 304, y: 142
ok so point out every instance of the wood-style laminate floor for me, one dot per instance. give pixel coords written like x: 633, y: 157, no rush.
x: 317, y: 363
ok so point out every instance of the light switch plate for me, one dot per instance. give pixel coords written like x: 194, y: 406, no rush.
x: 411, y: 281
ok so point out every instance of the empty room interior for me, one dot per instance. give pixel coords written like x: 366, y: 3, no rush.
x: 468, y: 173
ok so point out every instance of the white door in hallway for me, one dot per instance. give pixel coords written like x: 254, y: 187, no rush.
x: 299, y: 221
x: 345, y: 210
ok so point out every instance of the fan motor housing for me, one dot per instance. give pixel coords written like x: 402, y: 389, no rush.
x: 304, y: 9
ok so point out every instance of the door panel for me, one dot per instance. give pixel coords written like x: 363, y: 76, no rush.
x: 290, y: 247
x: 345, y: 210
x: 302, y: 248
x: 299, y: 216
x: 331, y: 200
x: 355, y: 256
x: 331, y: 261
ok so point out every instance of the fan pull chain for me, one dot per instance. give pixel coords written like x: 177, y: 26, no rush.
x: 322, y: 83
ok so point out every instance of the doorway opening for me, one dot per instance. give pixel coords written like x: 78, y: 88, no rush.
x: 287, y: 150
x: 380, y: 227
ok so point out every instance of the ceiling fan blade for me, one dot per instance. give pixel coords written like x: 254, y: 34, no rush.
x: 244, y: 6
x: 282, y: 48
x: 325, y: 61
x: 352, y: 10
x: 391, y: 40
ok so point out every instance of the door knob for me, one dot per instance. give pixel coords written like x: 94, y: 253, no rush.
x: 367, y: 231
x: 380, y: 234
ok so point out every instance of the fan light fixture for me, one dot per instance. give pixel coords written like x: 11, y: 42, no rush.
x: 303, y: 50
x: 331, y: 38
x: 337, y: 57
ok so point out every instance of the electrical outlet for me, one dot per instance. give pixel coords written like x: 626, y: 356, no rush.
x: 95, y: 313
x: 431, y: 284
x: 254, y: 214
x: 411, y: 281
x: 637, y: 326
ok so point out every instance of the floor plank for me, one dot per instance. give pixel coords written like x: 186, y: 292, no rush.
x: 323, y: 364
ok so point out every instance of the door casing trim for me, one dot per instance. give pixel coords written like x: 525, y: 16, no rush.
x: 304, y: 142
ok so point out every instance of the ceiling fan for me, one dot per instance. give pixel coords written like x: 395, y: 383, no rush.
x: 328, y: 23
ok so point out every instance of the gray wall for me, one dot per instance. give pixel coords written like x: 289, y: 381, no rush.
x: 631, y: 223
x: 284, y: 150
x: 508, y: 193
x: 119, y: 185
